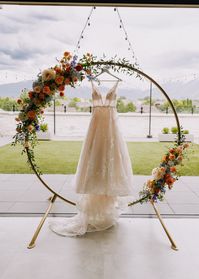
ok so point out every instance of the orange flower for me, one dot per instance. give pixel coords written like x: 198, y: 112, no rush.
x: 57, y: 69
x: 59, y: 80
x: 169, y: 179
x: 172, y: 150
x: 61, y: 94
x: 171, y: 156
x: 46, y: 90
x: 164, y: 158
x: 67, y: 81
x: 150, y: 183
x: 30, y: 128
x: 19, y: 101
x: 75, y: 79
x: 61, y: 88
x: 66, y: 53
x: 173, y: 169
x: 31, y: 114
x: 30, y: 94
x: 170, y: 182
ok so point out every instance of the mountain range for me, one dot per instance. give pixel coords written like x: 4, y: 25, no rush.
x: 175, y: 90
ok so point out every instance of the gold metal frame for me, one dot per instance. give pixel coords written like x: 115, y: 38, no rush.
x: 56, y: 195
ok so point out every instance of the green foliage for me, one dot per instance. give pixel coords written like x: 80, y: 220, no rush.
x: 186, y: 132
x: 8, y: 103
x: 44, y: 127
x: 72, y: 104
x: 165, y: 130
x: 146, y: 101
x: 76, y: 99
x: 180, y: 105
x: 122, y: 107
x: 174, y: 130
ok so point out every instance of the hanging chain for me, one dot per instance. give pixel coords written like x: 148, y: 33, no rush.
x: 83, y: 30
x: 130, y: 47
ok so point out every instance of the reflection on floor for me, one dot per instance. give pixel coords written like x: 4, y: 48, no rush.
x: 135, y: 248
x: 24, y: 194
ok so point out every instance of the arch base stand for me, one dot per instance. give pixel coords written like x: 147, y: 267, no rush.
x: 52, y: 200
x: 173, y: 245
x: 34, y: 238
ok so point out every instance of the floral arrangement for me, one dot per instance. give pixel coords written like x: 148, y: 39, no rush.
x: 49, y: 82
x: 165, y: 175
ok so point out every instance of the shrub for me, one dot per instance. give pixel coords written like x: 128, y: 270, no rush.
x: 165, y: 130
x: 174, y: 130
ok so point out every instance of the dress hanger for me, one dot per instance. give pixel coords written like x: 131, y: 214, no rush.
x: 105, y: 70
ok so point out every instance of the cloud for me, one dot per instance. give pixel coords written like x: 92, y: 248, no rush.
x: 164, y: 40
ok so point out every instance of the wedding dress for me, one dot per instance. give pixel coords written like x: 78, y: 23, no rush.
x: 104, y: 172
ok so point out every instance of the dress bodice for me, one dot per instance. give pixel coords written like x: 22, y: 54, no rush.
x: 110, y: 99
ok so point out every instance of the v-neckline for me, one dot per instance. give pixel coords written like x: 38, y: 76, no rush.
x: 99, y: 93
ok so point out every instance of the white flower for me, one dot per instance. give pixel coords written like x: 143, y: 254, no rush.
x: 48, y: 74
x: 158, y: 173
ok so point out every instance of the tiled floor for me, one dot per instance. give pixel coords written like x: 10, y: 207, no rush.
x: 24, y: 194
x: 135, y: 248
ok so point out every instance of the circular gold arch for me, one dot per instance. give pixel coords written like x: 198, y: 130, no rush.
x: 139, y: 72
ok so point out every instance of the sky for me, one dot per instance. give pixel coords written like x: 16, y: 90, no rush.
x: 165, y: 41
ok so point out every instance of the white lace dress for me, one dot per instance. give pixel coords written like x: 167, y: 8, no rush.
x: 104, y: 172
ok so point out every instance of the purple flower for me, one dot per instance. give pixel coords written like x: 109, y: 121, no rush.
x: 37, y: 127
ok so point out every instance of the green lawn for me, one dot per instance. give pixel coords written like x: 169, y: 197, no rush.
x: 62, y: 157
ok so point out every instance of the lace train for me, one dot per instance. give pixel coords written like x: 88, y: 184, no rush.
x: 95, y: 213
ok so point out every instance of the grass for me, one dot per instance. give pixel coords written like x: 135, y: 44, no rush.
x: 61, y: 157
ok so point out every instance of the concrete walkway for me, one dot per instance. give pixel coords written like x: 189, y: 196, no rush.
x: 136, y: 248
x: 23, y: 194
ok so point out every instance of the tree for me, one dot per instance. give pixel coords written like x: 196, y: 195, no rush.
x: 146, y: 101
x: 130, y: 107
x: 122, y: 107
x: 180, y: 105
x: 8, y: 104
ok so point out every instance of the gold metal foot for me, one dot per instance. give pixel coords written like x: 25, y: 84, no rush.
x: 173, y: 245
x: 32, y: 242
x: 30, y: 246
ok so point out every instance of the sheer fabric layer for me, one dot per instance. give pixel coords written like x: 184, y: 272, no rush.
x: 104, y: 167
x: 96, y: 213
x: 104, y: 172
